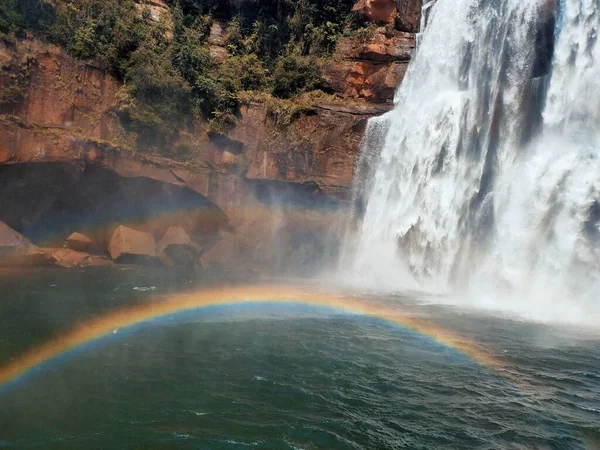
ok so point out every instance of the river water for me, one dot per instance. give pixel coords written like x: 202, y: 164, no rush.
x: 271, y: 376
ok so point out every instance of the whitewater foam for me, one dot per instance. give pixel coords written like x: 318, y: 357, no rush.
x: 484, y: 181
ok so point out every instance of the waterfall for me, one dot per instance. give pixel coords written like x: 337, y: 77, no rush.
x: 485, y: 179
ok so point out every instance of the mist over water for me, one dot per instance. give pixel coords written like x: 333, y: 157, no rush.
x: 282, y: 376
x: 484, y: 181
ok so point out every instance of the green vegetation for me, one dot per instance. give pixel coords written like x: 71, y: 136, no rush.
x: 15, y: 76
x: 293, y: 75
x: 19, y: 16
x: 170, y: 77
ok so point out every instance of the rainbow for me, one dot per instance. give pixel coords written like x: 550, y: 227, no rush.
x: 105, y: 325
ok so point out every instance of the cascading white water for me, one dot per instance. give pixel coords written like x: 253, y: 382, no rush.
x: 470, y: 187
x: 545, y: 261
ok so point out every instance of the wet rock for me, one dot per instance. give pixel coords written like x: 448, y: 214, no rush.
x: 313, y: 153
x: 16, y: 250
x: 408, y: 15
x: 318, y: 148
x: 131, y: 246
x: 180, y: 256
x: 12, y: 242
x: 106, y: 184
x: 50, y: 200
x: 81, y: 103
x: 78, y: 242
x: 176, y: 248
x: 544, y: 39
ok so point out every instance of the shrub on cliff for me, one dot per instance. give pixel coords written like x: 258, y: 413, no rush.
x: 169, y: 75
x: 293, y: 75
x: 189, y: 54
x: 19, y: 16
x: 213, y: 87
x: 245, y: 73
x: 15, y: 76
x: 106, y: 30
x: 155, y: 99
x: 269, y: 27
x: 11, y: 21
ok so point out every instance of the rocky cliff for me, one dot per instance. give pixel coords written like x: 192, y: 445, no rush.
x: 67, y: 163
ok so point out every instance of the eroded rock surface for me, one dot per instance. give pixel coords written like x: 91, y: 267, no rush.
x: 370, y: 67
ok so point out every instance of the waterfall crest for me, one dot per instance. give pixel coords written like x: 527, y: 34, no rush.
x: 485, y: 179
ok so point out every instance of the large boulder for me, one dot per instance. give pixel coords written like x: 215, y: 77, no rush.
x: 131, y: 246
x: 176, y: 248
x: 78, y: 242
x: 16, y: 250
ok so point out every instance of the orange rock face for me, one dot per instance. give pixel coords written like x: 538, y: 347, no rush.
x: 66, y: 118
x: 127, y: 245
x: 314, y: 150
x: 404, y: 14
x: 378, y: 11
x: 175, y: 236
x: 40, y: 132
x: 370, y: 68
x: 67, y: 94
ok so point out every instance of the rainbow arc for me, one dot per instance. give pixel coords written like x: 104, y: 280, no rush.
x: 103, y: 326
